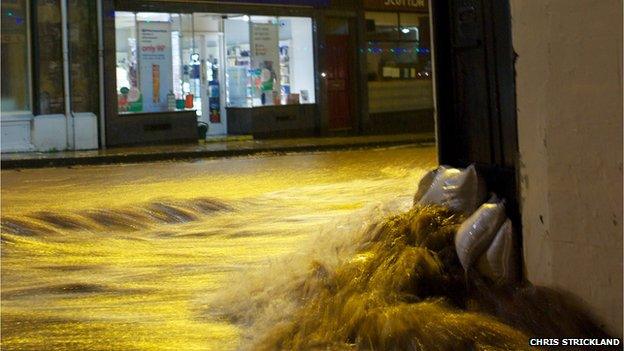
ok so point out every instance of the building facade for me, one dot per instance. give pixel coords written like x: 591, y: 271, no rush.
x: 39, y: 86
x: 86, y: 74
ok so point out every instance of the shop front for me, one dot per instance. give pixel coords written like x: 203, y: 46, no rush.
x: 377, y: 73
x: 398, y: 66
x: 169, y: 69
x: 231, y: 67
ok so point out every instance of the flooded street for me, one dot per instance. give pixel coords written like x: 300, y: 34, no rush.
x: 123, y: 257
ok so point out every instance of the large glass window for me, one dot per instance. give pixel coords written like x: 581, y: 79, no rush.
x: 398, y: 62
x: 398, y: 46
x: 296, y: 59
x: 15, y: 57
x: 166, y: 61
x: 270, y: 60
x: 238, y: 63
x: 157, y: 66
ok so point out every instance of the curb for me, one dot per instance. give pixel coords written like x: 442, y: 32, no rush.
x: 192, y: 155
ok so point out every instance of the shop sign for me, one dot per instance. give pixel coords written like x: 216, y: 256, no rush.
x: 155, y: 64
x: 310, y: 3
x: 313, y: 3
x: 396, y: 5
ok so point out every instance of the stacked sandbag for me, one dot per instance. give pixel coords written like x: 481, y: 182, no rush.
x: 460, y: 190
x: 500, y: 261
x: 485, y: 240
x: 476, y: 233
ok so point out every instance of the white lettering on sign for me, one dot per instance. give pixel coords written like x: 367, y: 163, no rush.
x: 409, y: 3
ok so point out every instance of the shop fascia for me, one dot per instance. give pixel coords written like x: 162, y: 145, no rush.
x: 395, y: 5
x: 409, y: 3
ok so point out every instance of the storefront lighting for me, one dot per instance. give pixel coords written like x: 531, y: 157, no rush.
x: 405, y: 30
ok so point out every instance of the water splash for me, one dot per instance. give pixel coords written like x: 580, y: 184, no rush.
x: 396, y: 284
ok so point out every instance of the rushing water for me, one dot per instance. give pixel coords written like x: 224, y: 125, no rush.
x: 130, y: 257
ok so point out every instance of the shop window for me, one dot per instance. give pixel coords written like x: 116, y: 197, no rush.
x: 270, y: 60
x: 127, y: 68
x: 398, y: 62
x: 185, y: 63
x: 15, y: 57
x: 168, y: 62
x: 296, y: 60
x: 265, y: 60
x: 408, y: 57
x: 238, y: 62
x: 155, y: 67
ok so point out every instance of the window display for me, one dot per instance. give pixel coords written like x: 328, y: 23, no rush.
x: 278, y: 70
x: 154, y: 62
x: 238, y: 62
x: 265, y: 67
x: 168, y: 62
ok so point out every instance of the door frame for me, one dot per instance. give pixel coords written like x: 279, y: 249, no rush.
x: 473, y: 44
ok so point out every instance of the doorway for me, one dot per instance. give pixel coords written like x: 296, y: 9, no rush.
x: 338, y: 75
x: 338, y: 82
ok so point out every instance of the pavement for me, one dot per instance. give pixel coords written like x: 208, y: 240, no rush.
x: 213, y: 148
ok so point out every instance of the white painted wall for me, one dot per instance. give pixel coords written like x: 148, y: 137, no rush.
x: 45, y: 133
x: 86, y: 125
x: 50, y: 132
x: 569, y: 91
x: 15, y: 132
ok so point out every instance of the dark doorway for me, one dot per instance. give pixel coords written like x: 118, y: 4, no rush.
x: 338, y: 78
x: 475, y: 88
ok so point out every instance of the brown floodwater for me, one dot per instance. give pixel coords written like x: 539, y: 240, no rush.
x: 132, y: 257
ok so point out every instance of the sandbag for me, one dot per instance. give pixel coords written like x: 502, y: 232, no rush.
x: 460, y: 190
x: 499, y: 262
x: 424, y: 185
x: 476, y: 233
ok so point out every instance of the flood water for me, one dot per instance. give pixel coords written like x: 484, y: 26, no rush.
x: 124, y: 257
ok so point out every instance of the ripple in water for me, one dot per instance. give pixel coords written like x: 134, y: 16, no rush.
x: 128, y: 219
